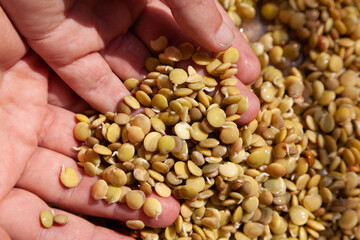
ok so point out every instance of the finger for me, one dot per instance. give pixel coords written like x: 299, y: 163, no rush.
x: 57, y: 131
x: 50, y: 27
x: 61, y: 95
x: 126, y: 55
x: 93, y: 80
x: 22, y: 210
x: 12, y: 47
x: 157, y: 14
x: 4, y: 235
x: 156, y: 20
x: 202, y: 21
x: 253, y: 102
x: 45, y: 167
x: 248, y: 64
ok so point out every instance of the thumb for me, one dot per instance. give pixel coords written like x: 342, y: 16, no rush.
x: 202, y: 21
x: 4, y: 235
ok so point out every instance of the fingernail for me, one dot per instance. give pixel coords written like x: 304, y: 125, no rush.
x: 225, y: 36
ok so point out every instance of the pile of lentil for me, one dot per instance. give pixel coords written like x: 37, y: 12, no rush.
x: 292, y: 173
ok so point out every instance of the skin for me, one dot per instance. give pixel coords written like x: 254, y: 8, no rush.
x: 79, y: 57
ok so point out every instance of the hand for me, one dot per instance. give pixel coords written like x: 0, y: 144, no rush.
x: 36, y: 125
x: 91, y: 44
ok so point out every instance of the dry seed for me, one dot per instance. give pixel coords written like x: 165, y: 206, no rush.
x: 135, y: 224
x: 135, y: 199
x: 69, y: 177
x: 61, y: 219
x: 46, y: 218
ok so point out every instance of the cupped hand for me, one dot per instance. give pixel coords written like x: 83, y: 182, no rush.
x: 93, y: 44
x: 36, y: 125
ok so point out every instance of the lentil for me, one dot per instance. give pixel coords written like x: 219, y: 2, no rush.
x: 152, y: 207
x: 61, y: 219
x: 47, y: 218
x: 290, y: 164
x: 69, y: 177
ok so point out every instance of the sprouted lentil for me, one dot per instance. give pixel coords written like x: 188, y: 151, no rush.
x: 292, y: 173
